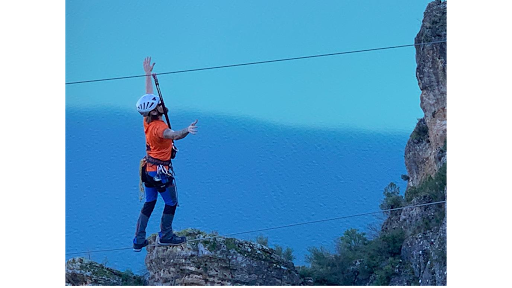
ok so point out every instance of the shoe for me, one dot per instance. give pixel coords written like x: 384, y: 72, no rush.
x: 175, y: 240
x: 138, y: 247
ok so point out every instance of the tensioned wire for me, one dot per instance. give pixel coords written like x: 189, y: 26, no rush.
x: 256, y: 63
x: 276, y: 227
x: 260, y: 62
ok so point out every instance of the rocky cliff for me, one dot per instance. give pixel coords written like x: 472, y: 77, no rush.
x: 423, y: 252
x: 217, y: 261
x: 84, y: 272
x: 206, y: 259
x: 425, y: 152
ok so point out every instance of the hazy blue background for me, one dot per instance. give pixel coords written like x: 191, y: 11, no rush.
x: 277, y: 144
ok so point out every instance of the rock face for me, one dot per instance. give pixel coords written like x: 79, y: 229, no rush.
x: 423, y: 252
x: 427, y: 254
x: 213, y: 260
x: 217, y: 261
x: 425, y: 150
x: 82, y: 272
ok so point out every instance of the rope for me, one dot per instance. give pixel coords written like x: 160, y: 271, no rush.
x: 260, y: 62
x: 278, y: 227
x: 142, y: 191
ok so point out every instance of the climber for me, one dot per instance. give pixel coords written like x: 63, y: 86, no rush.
x: 158, y: 174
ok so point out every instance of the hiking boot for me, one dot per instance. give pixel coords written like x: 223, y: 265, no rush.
x: 173, y: 241
x: 138, y: 247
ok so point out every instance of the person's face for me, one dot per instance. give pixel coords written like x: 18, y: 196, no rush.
x: 158, y: 110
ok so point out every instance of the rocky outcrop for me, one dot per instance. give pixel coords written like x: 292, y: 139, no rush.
x: 206, y: 259
x: 425, y: 152
x: 217, y: 261
x: 423, y: 252
x: 426, y: 253
x: 83, y: 272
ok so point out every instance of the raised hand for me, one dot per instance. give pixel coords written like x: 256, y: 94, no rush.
x: 148, y: 68
x: 192, y: 128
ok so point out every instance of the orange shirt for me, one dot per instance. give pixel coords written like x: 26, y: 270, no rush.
x: 156, y: 145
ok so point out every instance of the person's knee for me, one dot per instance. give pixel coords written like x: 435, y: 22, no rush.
x: 148, y: 207
x: 168, y: 209
x: 169, y: 196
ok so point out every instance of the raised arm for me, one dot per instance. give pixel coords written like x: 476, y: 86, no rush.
x: 148, y: 68
x: 177, y: 135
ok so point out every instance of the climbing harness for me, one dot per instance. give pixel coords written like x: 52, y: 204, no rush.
x: 156, y: 181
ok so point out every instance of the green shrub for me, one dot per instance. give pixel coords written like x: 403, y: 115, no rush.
x: 287, y: 253
x: 392, y: 198
x: 420, y: 132
x: 324, y: 267
x: 384, y: 274
x: 262, y: 240
x: 432, y: 186
x: 130, y: 279
x: 356, y: 259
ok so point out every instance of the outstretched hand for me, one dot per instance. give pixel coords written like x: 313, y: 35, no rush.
x: 148, y: 68
x: 192, y: 128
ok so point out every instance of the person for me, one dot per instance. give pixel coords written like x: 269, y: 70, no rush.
x: 158, y: 176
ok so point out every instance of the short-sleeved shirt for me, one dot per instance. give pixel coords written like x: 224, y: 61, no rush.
x: 156, y: 145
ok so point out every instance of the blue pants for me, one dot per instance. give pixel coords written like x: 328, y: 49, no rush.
x: 169, y: 195
x: 170, y: 199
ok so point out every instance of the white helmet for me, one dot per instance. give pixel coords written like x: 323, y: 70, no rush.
x: 147, y: 103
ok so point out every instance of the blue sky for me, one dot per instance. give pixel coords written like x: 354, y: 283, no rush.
x: 375, y: 90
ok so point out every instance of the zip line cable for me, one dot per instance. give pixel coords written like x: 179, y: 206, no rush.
x: 277, y: 227
x: 260, y: 62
